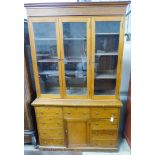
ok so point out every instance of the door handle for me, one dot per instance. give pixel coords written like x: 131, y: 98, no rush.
x: 112, y: 118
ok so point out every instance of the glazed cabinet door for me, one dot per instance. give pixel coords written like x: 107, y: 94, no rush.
x: 106, y: 58
x: 44, y: 40
x: 75, y: 47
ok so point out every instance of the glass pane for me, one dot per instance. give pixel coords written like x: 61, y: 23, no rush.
x: 75, y: 57
x: 47, y: 60
x: 106, y: 55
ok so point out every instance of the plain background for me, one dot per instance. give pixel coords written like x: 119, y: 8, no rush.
x: 12, y: 77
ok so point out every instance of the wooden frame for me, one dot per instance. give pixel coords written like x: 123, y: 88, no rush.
x: 33, y: 53
x: 120, y: 52
x: 90, y: 54
x: 77, y: 19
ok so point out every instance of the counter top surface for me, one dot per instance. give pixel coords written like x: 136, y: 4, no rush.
x: 76, y: 102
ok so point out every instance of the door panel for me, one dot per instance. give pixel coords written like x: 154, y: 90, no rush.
x: 75, y: 53
x: 106, y: 41
x: 46, y: 55
x: 77, y: 133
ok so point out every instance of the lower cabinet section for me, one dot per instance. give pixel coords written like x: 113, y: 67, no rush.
x: 78, y: 126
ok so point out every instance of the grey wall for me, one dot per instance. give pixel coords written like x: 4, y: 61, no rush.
x: 126, y: 70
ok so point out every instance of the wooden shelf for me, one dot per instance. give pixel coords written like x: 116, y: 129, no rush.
x: 53, y: 90
x: 48, y: 60
x: 76, y: 91
x: 50, y: 72
x: 115, y: 53
x: 107, y: 33
x: 72, y: 73
x: 40, y: 55
x: 38, y: 39
x: 104, y: 93
x: 55, y: 73
x: 106, y: 76
x: 74, y: 38
x: 76, y: 59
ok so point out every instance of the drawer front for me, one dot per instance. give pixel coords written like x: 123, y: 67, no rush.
x: 76, y: 112
x: 52, y: 133
x: 104, y: 112
x: 104, y: 124
x: 104, y: 134
x: 48, y: 123
x: 104, y: 143
x: 53, y: 112
x: 52, y: 142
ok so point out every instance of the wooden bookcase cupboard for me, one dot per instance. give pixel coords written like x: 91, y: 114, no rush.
x: 77, y: 58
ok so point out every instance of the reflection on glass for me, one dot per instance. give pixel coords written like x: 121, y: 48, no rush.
x: 47, y: 60
x: 106, y: 55
x: 75, y: 54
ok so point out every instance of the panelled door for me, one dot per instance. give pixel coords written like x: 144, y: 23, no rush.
x: 45, y: 50
x: 77, y: 132
x: 107, y: 33
x: 75, y: 47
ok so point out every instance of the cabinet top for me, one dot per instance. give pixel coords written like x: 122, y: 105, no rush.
x: 77, y: 102
x: 79, y: 4
x: 75, y: 9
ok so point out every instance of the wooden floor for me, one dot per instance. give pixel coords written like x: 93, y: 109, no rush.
x: 124, y: 150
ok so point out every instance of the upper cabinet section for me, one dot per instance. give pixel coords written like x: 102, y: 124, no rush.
x: 77, y: 49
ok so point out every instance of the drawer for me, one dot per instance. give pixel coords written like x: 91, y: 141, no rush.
x: 104, y: 134
x: 104, y: 143
x: 53, y: 112
x: 76, y: 112
x: 52, y: 142
x: 104, y: 112
x: 104, y: 124
x: 51, y: 133
x: 47, y: 123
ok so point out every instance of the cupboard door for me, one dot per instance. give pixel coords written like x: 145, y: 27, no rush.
x: 46, y: 56
x: 75, y: 54
x: 77, y: 132
x: 106, y: 41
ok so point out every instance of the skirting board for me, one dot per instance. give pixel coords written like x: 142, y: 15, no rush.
x: 50, y: 148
